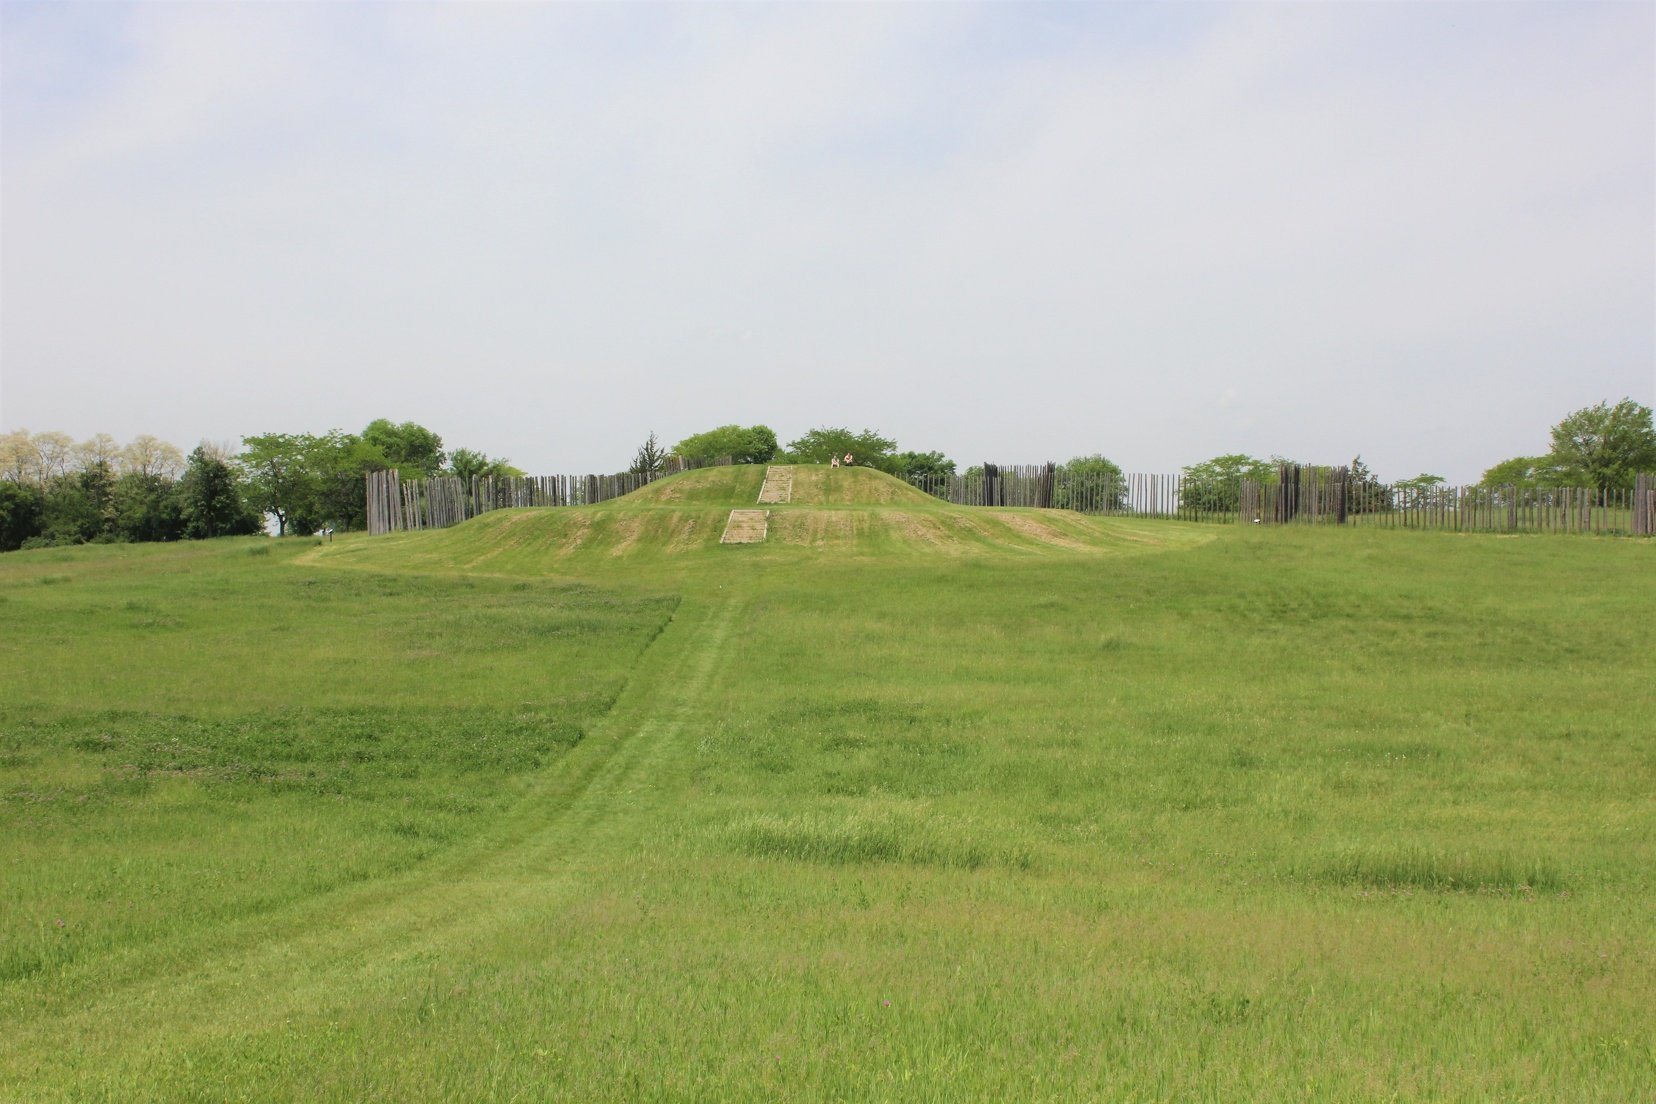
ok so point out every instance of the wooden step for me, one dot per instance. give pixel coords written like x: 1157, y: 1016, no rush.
x: 778, y: 484
x: 746, y: 527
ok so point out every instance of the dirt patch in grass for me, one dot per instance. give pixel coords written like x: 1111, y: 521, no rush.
x: 505, y: 539
x: 687, y: 533
x: 1041, y: 531
x: 816, y: 528
x: 571, y: 539
x: 920, y: 529
x: 628, y: 528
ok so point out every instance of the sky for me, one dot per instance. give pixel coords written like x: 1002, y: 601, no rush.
x: 1008, y: 232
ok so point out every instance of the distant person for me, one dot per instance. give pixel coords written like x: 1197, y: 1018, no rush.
x: 833, y: 462
x: 848, y: 459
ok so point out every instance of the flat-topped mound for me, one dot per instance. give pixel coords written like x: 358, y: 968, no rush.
x: 732, y: 485
x: 713, y: 517
x: 821, y: 485
x: 812, y: 485
x: 580, y: 540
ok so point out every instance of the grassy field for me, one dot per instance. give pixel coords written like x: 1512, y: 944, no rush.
x: 911, y: 802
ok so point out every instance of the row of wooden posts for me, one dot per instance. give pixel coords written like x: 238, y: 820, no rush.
x: 437, y: 502
x: 1499, y: 509
x: 1307, y: 495
x: 1299, y: 495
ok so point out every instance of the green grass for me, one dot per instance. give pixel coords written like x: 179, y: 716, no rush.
x: 581, y: 805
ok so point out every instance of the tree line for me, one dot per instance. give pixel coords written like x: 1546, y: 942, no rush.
x: 56, y: 491
x: 758, y: 445
x: 1600, y: 447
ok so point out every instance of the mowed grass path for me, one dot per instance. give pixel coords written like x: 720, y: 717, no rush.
x: 1178, y: 813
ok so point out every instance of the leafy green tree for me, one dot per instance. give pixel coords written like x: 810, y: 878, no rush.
x: 1523, y: 472
x: 472, y: 464
x: 22, y: 508
x: 923, y: 465
x: 1364, y: 492
x: 1089, y: 482
x: 412, y: 449
x: 97, y: 480
x: 146, y: 508
x: 1416, y: 491
x: 72, y: 512
x: 1215, y: 485
x: 824, y: 443
x: 743, y: 444
x: 649, y: 460
x: 210, y: 498
x: 1604, y: 446
x: 342, y: 462
x: 280, y: 475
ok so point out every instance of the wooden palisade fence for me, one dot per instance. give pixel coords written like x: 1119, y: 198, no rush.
x: 1307, y: 495
x: 440, y: 501
x: 1298, y: 495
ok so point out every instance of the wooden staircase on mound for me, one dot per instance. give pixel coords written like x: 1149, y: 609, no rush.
x: 746, y: 527
x: 753, y: 526
x: 778, y: 486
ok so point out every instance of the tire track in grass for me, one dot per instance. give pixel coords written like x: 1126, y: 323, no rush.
x: 646, y: 728
x: 164, y: 999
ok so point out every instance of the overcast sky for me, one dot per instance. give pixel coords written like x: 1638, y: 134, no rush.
x: 1016, y: 232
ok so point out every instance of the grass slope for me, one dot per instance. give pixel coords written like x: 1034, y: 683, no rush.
x: 1323, y: 815
x: 672, y: 528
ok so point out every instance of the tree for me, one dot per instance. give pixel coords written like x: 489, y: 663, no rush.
x: 146, y: 508
x: 649, y: 460
x: 1215, y: 485
x: 72, y: 514
x: 1523, y: 472
x: 281, y: 479
x: 17, y: 457
x: 147, y: 455
x: 54, y: 453
x: 21, y: 509
x: 1089, y: 482
x: 1604, y: 446
x: 1365, y: 494
x: 413, y: 449
x: 470, y: 464
x: 928, y: 466
x: 97, y: 481
x: 743, y: 444
x: 210, y: 499
x: 1415, y: 492
x: 826, y: 442
x: 100, y: 448
x: 341, y: 462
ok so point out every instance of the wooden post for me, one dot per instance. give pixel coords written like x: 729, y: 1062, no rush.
x: 1288, y: 482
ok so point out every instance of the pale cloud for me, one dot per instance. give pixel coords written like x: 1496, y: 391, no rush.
x: 1016, y: 232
